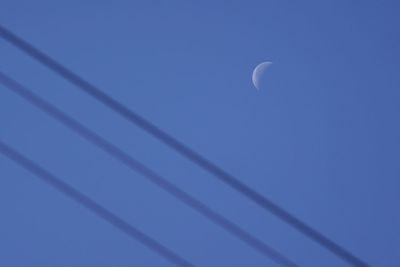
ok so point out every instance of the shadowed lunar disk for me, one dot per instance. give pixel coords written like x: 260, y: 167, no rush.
x: 259, y: 73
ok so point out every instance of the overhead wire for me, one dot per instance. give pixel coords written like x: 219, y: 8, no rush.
x: 181, y: 148
x: 146, y: 172
x: 92, y: 206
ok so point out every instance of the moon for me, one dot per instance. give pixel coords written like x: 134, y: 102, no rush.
x: 259, y: 72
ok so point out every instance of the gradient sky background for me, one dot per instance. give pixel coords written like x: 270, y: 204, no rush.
x: 321, y: 140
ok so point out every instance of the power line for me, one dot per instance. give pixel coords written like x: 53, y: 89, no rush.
x: 94, y: 207
x: 138, y: 167
x: 181, y: 148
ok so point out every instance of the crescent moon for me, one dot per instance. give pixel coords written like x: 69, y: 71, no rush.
x: 258, y: 72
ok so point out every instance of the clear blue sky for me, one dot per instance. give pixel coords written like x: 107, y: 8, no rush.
x: 321, y: 139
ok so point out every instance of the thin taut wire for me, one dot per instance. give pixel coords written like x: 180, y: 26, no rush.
x: 181, y: 148
x: 149, y: 174
x: 91, y: 205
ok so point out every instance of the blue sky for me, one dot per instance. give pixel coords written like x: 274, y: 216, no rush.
x: 321, y: 139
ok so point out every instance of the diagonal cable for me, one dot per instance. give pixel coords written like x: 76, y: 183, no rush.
x: 94, y: 207
x: 149, y: 174
x: 181, y: 148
